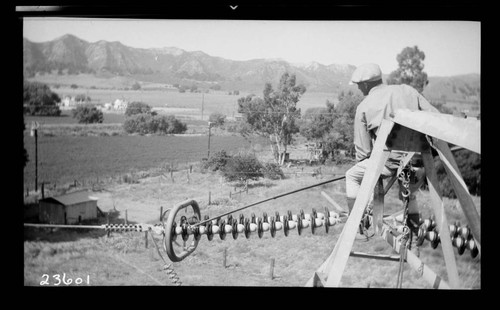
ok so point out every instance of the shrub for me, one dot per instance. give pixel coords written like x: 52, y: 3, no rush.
x: 82, y: 97
x: 136, y: 86
x: 217, y: 119
x: 87, y: 114
x: 137, y: 107
x: 272, y: 171
x: 242, y: 168
x: 217, y: 161
x: 145, y: 123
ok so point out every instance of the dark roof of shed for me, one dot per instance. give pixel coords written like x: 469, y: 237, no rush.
x: 71, y: 198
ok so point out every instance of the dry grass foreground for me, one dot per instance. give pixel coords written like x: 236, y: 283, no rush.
x: 123, y: 259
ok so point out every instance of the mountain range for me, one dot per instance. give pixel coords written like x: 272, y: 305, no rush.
x: 69, y: 54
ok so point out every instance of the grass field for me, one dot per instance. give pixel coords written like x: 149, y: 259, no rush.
x: 63, y: 159
x: 122, y: 259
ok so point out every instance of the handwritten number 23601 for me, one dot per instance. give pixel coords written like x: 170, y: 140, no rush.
x: 58, y: 280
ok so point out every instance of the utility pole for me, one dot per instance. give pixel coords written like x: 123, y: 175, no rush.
x: 34, y: 132
x: 209, y: 132
x: 202, y: 101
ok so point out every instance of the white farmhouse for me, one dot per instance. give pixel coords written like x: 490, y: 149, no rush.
x: 120, y: 104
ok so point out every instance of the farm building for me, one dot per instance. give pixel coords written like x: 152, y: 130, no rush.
x: 68, y: 209
x: 120, y: 104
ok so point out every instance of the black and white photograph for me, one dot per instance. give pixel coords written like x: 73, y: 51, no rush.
x: 220, y: 152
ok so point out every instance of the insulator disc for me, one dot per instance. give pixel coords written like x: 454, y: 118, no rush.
x: 435, y: 242
x: 273, y: 227
x: 459, y: 243
x: 299, y: 225
x: 222, y: 230
x: 235, y: 229
x: 260, y: 229
x: 465, y: 232
x: 210, y: 234
x: 421, y: 235
x: 247, y: 228
x: 453, y: 231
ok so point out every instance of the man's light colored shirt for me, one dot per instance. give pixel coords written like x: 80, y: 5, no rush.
x: 381, y: 101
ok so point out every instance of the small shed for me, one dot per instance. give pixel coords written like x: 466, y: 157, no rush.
x: 68, y: 209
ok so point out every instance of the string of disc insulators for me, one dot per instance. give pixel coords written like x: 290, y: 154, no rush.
x: 254, y: 225
x: 461, y: 236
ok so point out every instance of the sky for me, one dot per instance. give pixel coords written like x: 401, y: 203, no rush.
x: 450, y: 47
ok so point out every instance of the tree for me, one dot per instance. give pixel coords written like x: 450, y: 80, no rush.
x: 217, y: 119
x: 137, y: 107
x: 410, y: 70
x: 334, y: 124
x: 82, y: 97
x: 88, y: 114
x: 275, y: 115
x: 38, y: 99
x: 136, y: 86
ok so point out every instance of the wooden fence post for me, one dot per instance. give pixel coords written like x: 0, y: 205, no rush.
x: 146, y: 239
x: 271, y: 269
x: 224, y: 258
x: 209, y: 198
x: 126, y: 217
x: 161, y: 213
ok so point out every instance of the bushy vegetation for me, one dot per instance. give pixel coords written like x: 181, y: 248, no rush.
x: 138, y: 107
x: 333, y: 125
x: 242, y: 167
x: 217, y: 161
x: 146, y: 123
x: 217, y: 119
x: 442, y: 107
x: 272, y: 171
x: 87, y: 114
x: 142, y: 120
x: 38, y: 99
x: 469, y: 164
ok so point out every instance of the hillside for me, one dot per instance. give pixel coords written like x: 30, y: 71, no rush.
x: 70, y: 55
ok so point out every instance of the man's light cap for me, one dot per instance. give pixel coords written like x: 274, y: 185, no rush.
x: 366, y: 73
